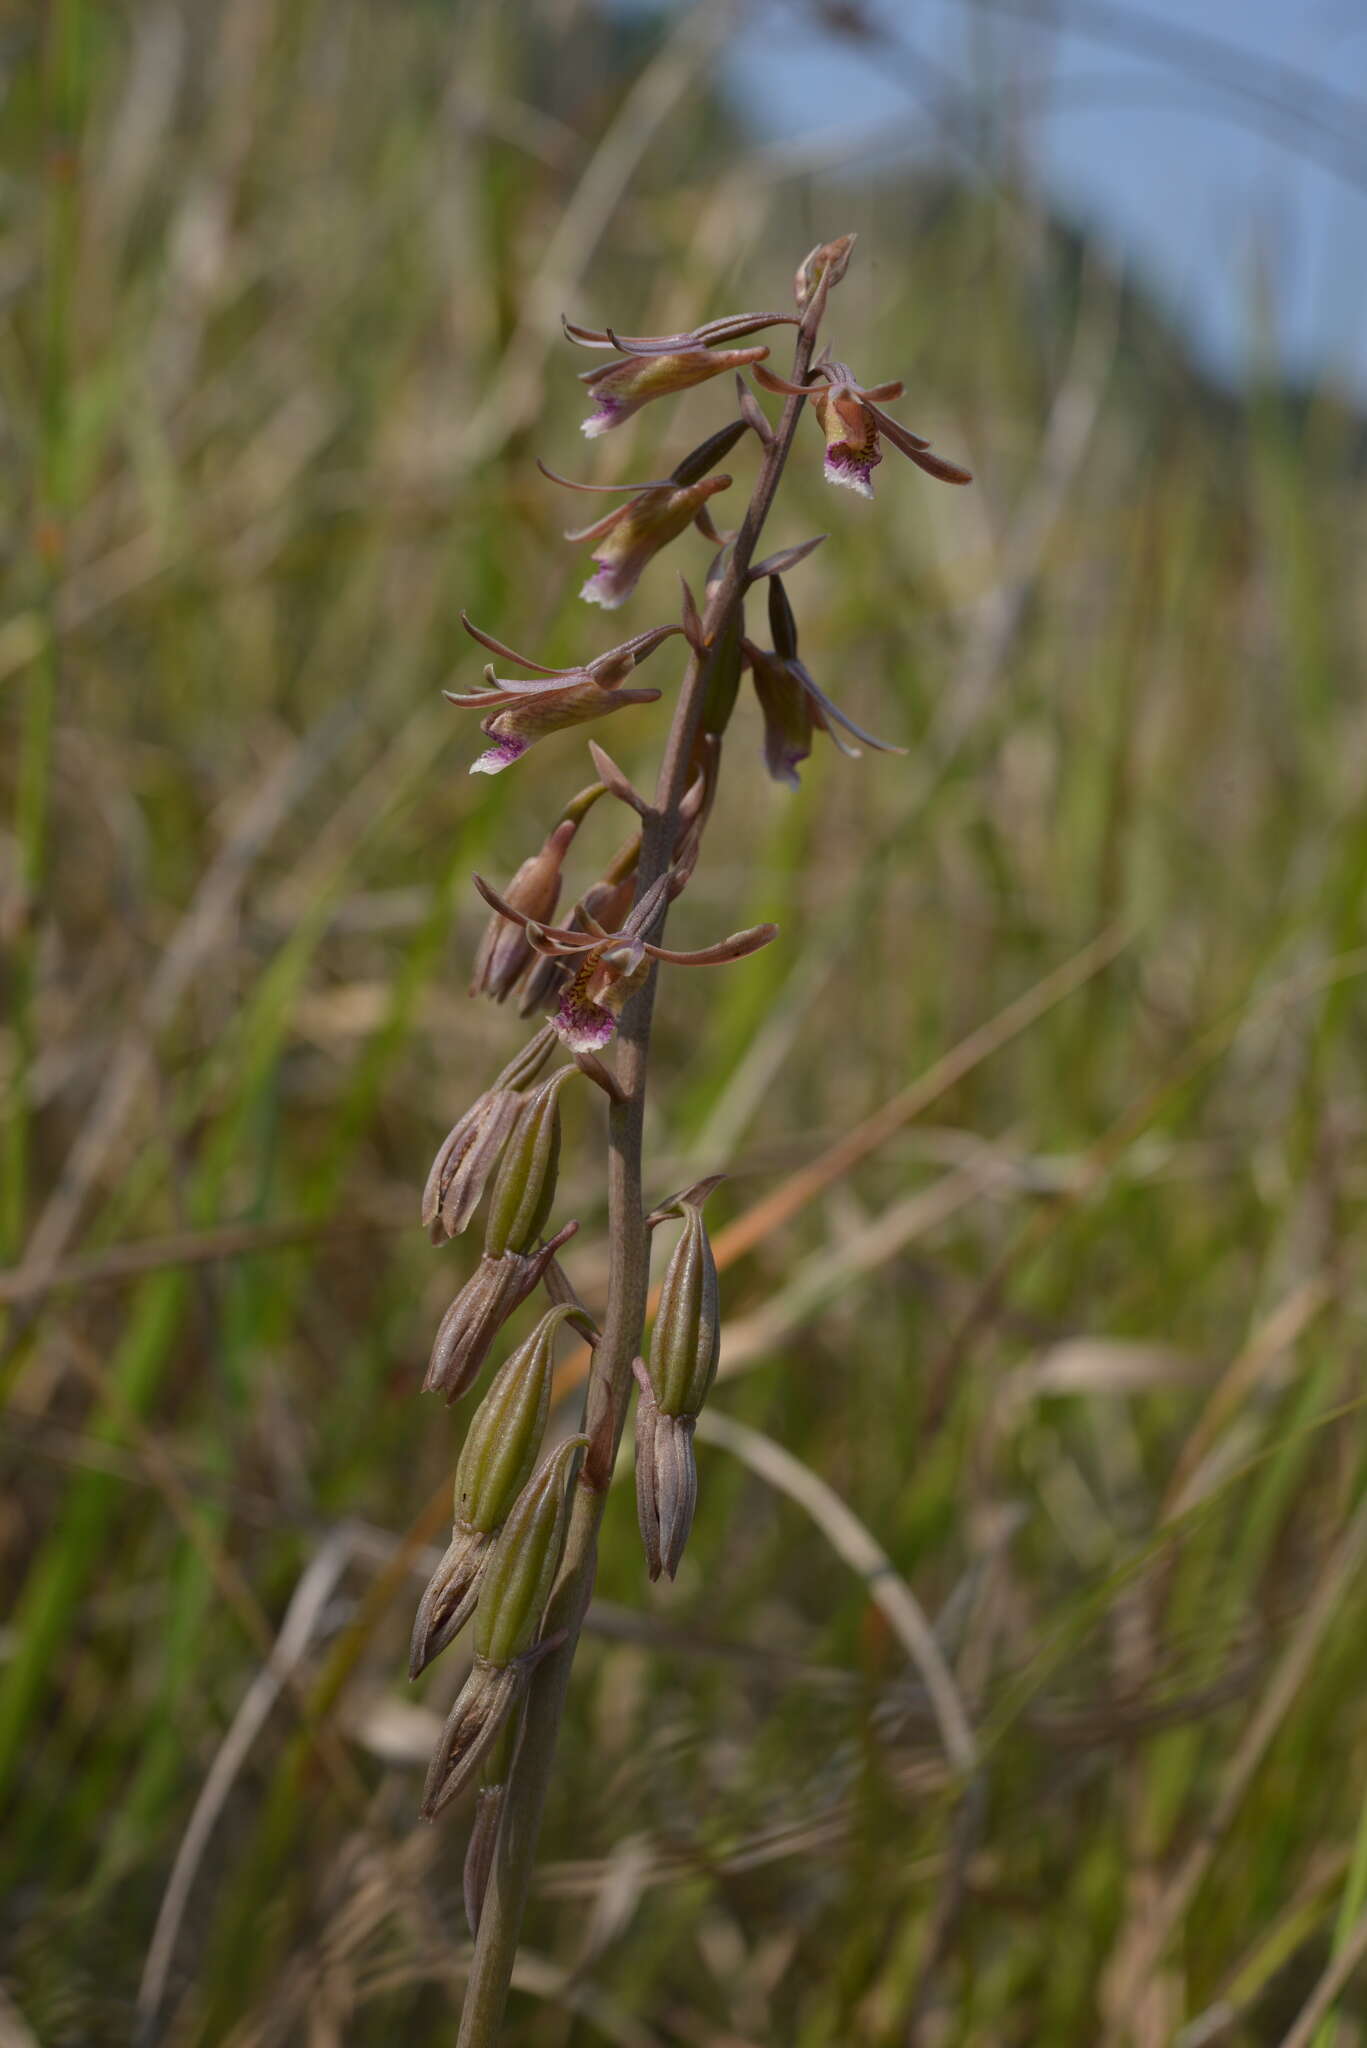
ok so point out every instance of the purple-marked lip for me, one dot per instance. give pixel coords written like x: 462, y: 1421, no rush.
x: 612, y: 584
x: 584, y: 1026
x: 610, y: 413
x: 508, y: 749
x: 846, y: 466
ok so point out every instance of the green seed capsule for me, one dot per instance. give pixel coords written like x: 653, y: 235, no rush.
x: 687, y: 1338
x: 520, y: 1574
x: 505, y: 1431
x: 525, y: 1188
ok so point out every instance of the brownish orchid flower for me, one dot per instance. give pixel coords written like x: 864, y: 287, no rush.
x: 657, y: 365
x: 523, y: 712
x: 610, y: 966
x: 793, y: 706
x: 853, y: 421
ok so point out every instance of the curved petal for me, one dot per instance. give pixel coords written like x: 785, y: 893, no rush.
x: 830, y: 710
x: 773, y: 382
x: 735, y: 948
x: 504, y: 652
x: 901, y: 437
x: 657, y: 484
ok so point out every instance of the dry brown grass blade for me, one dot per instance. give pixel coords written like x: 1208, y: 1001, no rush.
x: 1143, y: 1947
x: 856, y: 1546
x: 1274, y: 1336
x: 514, y: 391
x: 211, y: 912
x: 179, y: 1248
x: 1335, y: 1976
x: 310, y: 1596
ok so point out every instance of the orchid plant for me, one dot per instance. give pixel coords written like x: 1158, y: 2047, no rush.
x: 520, y: 1565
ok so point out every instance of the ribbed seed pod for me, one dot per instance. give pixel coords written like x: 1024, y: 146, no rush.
x: 512, y: 1602
x: 666, y: 1479
x: 687, y: 1337
x: 499, y: 1451
x: 505, y: 1431
x: 525, y: 1188
x: 683, y: 1364
x: 519, y: 1576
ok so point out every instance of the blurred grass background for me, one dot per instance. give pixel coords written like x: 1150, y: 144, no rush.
x: 1074, y: 1330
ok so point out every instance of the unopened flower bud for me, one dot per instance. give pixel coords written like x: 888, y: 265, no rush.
x: 499, y: 1451
x: 519, y: 1576
x: 823, y: 266
x: 525, y: 1188
x: 495, y: 1288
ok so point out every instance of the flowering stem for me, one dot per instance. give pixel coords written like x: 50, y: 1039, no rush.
x: 610, y: 1380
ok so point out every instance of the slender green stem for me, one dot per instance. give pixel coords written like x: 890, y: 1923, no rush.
x: 609, y: 1386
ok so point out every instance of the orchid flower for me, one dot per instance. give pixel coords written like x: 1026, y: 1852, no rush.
x: 655, y: 366
x: 654, y: 514
x: 523, y: 712
x: 792, y: 704
x: 610, y: 966
x: 854, y: 423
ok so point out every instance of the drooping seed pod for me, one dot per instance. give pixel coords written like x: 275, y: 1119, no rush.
x: 683, y: 1364
x: 525, y: 1188
x: 495, y: 1288
x: 498, y: 1453
x: 666, y: 1478
x: 512, y: 1603
x: 471, y: 1149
